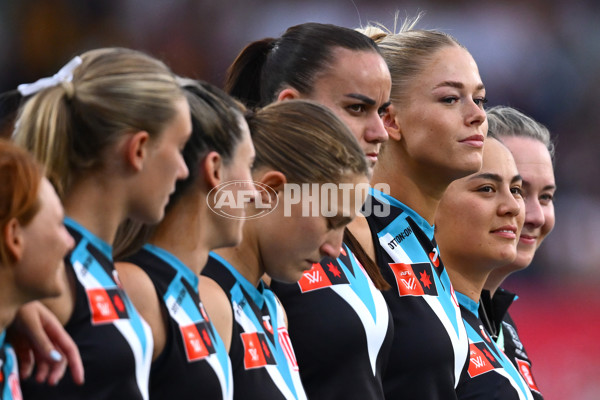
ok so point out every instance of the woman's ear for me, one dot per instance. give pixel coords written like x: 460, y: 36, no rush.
x: 212, y: 168
x: 136, y: 149
x: 275, y: 180
x: 14, y: 240
x: 391, y: 124
x: 288, y: 94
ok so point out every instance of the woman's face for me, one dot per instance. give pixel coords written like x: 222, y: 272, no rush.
x: 441, y: 123
x: 535, y: 166
x: 47, y: 241
x: 356, y: 87
x: 295, y: 236
x: 238, y: 170
x: 480, y: 217
x: 164, y: 165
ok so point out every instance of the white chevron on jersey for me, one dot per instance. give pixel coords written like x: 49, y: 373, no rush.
x: 143, y: 360
x: 183, y: 319
x: 459, y: 340
x: 143, y: 357
x: 376, y: 327
x: 248, y: 327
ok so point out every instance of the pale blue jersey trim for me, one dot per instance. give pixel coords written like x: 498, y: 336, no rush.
x: 419, y: 220
x: 256, y: 293
x: 188, y: 306
x: 468, y: 303
x: 174, y: 262
x: 82, y: 254
x: 476, y: 337
x: 98, y: 243
x: 359, y: 283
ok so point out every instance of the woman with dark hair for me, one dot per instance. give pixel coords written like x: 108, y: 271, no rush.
x: 478, y: 224
x: 533, y: 150
x: 283, y: 243
x: 189, y: 358
x: 343, y: 70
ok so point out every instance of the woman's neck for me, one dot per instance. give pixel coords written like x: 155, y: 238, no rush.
x: 245, y: 257
x: 98, y: 208
x: 184, y: 232
x: 9, y: 302
x: 497, y: 276
x: 419, y: 192
x: 467, y: 276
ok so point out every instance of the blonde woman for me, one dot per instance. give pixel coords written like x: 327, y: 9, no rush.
x: 437, y: 125
x: 109, y: 133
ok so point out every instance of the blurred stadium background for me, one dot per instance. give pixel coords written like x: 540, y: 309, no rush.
x: 540, y: 56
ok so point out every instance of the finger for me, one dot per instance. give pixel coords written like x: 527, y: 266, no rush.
x: 32, y: 318
x: 26, y: 363
x: 63, y: 341
x: 75, y: 364
x: 42, y: 371
x: 56, y: 373
x: 60, y: 340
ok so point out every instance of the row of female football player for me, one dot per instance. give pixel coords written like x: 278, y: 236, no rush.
x: 168, y: 292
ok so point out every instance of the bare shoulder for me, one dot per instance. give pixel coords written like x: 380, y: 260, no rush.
x: 217, y: 304
x: 138, y: 285
x: 140, y: 289
x: 285, y: 319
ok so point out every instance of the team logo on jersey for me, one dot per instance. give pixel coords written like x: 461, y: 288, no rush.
x: 525, y: 370
x: 257, y: 352
x: 321, y: 276
x: 197, y: 341
x: 481, y: 360
x: 107, y: 305
x: 414, y: 279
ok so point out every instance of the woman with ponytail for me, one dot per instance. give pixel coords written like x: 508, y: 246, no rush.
x: 108, y: 129
x: 343, y: 70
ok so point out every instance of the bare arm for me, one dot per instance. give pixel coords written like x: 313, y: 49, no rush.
x: 219, y: 309
x: 140, y: 289
x: 39, y: 337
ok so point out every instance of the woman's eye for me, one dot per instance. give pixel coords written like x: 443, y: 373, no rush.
x: 517, y: 191
x: 450, y: 99
x: 357, y: 108
x: 486, y: 189
x: 480, y: 101
x: 546, y: 198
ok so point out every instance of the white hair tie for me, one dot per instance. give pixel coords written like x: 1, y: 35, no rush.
x: 63, y: 76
